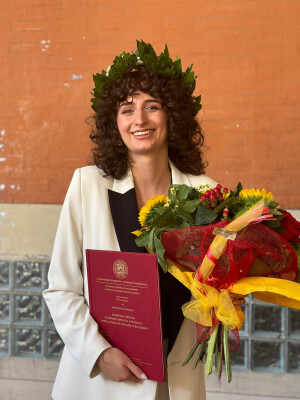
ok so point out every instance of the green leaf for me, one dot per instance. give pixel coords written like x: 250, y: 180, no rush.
x: 162, y: 210
x: 276, y: 212
x: 188, y: 79
x: 236, y: 190
x: 177, y: 66
x: 183, y: 192
x: 166, y: 220
x: 160, y: 250
x: 166, y: 51
x: 184, y: 224
x: 228, y: 203
x: 204, y: 215
x: 184, y: 215
x: 272, y: 224
x: 143, y: 239
x: 272, y: 204
x: 189, y: 68
x: 151, y: 244
x: 190, y: 206
x: 163, y: 264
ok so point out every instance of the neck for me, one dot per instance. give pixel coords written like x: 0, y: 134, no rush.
x: 151, y: 177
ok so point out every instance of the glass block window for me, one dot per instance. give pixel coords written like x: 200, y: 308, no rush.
x: 270, y: 339
x: 26, y: 327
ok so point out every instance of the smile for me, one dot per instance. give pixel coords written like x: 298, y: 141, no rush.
x: 143, y: 133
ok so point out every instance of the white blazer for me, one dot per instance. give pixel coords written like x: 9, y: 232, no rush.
x: 86, y: 223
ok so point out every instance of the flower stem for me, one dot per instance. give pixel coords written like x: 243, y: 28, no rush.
x: 221, y: 353
x: 200, y: 353
x: 211, y: 350
x: 227, y: 354
x: 191, y: 354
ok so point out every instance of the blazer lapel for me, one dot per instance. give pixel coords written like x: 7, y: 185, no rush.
x: 124, y: 211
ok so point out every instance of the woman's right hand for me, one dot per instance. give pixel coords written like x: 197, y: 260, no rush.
x: 118, y: 367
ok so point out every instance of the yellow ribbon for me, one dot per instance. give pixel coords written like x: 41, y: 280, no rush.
x: 271, y: 290
x: 207, y: 299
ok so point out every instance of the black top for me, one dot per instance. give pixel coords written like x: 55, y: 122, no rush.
x: 174, y: 294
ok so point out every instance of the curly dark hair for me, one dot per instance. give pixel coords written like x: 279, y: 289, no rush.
x: 185, y: 136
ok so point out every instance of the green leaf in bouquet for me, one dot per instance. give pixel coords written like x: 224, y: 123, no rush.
x: 163, y: 263
x: 279, y: 230
x: 204, y: 216
x: 160, y: 251
x: 143, y: 239
x: 236, y: 191
x: 273, y: 204
x: 166, y: 219
x: 184, y: 224
x: 239, y: 213
x: 184, y: 215
x: 190, y: 206
x: 228, y: 203
x: 276, y: 212
x: 272, y: 223
x: 162, y: 210
x: 193, y: 194
x: 151, y: 244
x: 183, y: 192
x: 172, y: 194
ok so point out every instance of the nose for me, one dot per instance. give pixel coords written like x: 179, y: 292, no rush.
x: 140, y: 117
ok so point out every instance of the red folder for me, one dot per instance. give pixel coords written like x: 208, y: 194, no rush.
x: 125, y: 301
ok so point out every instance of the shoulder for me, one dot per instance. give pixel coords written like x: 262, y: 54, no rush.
x: 92, y: 175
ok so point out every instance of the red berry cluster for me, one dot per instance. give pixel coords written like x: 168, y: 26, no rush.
x: 213, y: 197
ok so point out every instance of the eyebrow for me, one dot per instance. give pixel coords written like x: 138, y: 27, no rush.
x: 126, y: 103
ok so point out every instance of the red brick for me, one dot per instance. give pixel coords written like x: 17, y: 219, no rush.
x: 246, y: 56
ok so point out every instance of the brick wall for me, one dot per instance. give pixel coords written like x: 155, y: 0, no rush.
x: 245, y: 53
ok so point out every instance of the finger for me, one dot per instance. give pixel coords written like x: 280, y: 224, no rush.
x: 239, y: 302
x: 132, y: 378
x: 136, y: 371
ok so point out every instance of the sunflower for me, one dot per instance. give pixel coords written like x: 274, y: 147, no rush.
x: 157, y: 201
x: 252, y: 195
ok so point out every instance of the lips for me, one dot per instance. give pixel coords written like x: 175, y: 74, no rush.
x: 143, y: 133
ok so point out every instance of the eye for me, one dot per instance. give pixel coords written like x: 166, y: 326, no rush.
x: 127, y: 111
x: 153, y: 107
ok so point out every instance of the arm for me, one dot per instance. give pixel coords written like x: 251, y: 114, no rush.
x: 66, y: 302
x: 65, y: 297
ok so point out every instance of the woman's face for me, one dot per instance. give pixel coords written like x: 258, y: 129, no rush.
x: 142, y: 123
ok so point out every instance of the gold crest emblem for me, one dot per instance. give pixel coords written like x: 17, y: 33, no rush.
x: 120, y: 269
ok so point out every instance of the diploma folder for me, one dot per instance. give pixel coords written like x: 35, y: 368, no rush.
x: 124, y: 296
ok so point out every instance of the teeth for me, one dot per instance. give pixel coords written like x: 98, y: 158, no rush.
x: 142, y: 133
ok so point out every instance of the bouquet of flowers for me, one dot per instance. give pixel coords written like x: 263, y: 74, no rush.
x: 217, y: 242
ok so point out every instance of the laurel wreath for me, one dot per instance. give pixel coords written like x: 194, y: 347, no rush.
x: 145, y: 58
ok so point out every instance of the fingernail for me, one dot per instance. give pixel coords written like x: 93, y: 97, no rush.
x: 144, y: 376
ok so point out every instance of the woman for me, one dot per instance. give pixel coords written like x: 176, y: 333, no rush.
x: 146, y: 137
